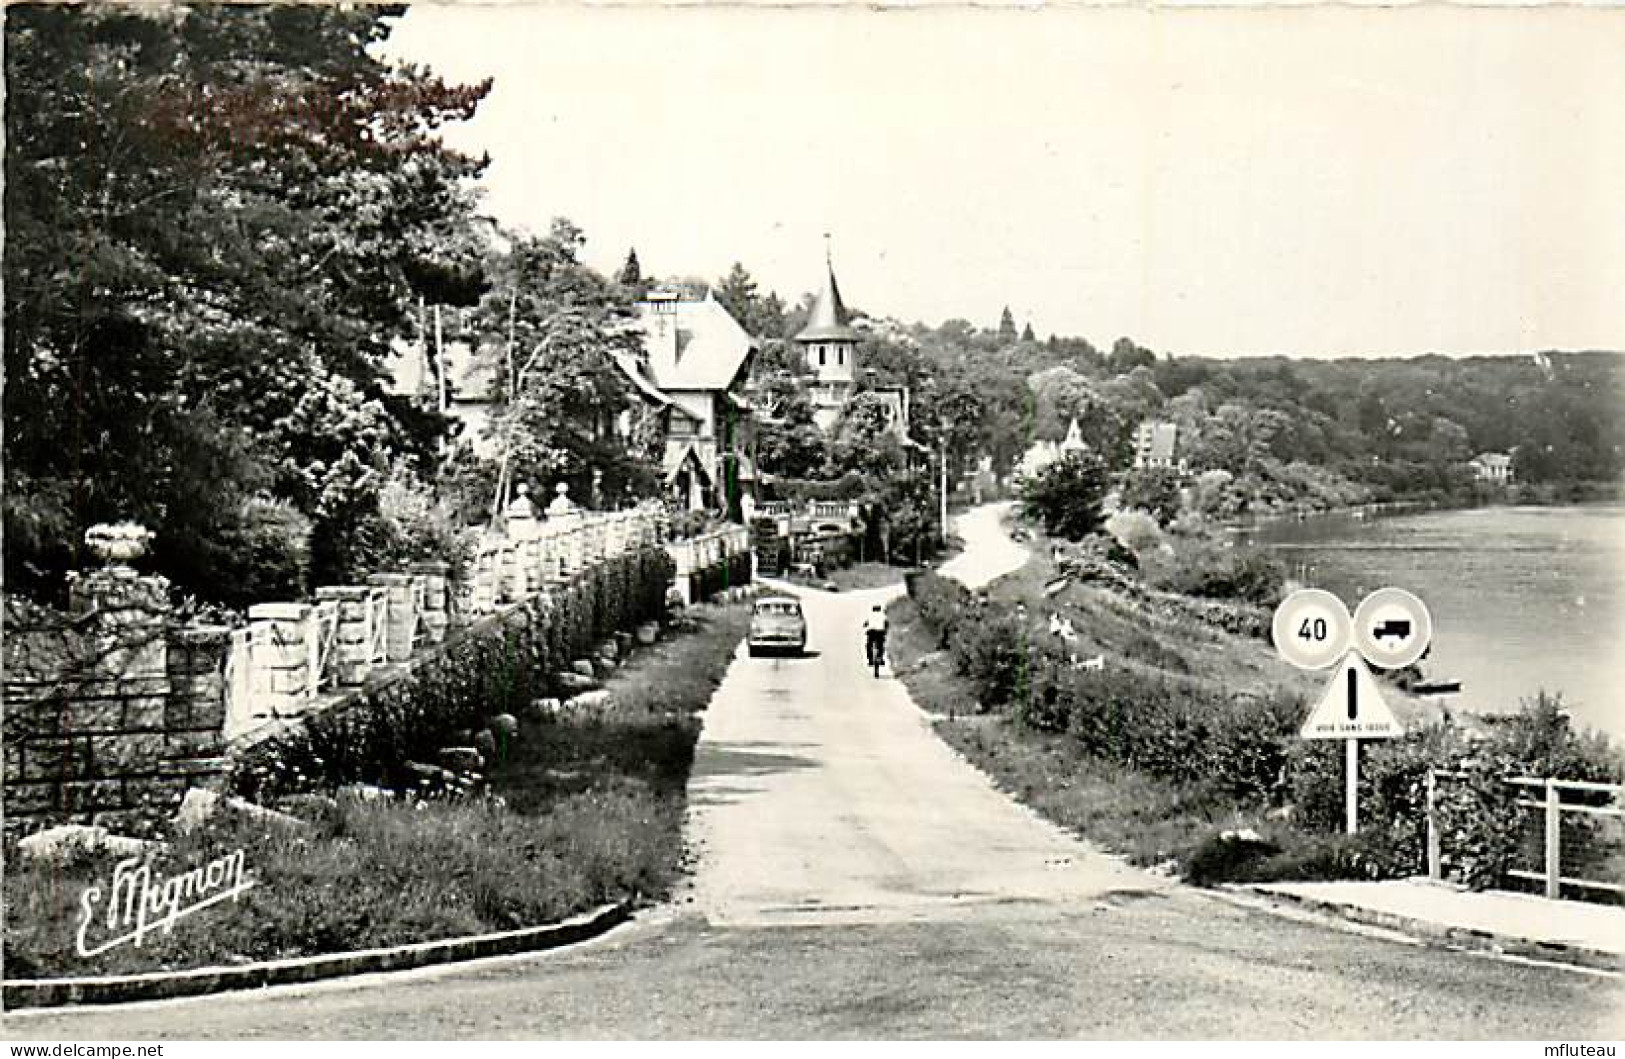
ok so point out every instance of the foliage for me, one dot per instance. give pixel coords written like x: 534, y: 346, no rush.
x: 555, y: 327
x: 217, y: 220
x: 906, y: 519
x: 1137, y: 532
x: 942, y: 602
x: 1204, y: 566
x: 265, y: 555
x: 1154, y: 490
x: 1066, y: 498
x: 789, y: 443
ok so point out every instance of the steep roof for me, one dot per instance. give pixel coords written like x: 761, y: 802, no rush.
x: 829, y: 320
x: 710, y: 346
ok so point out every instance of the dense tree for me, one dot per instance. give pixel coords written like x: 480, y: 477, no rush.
x: 1154, y: 490
x: 211, y: 212
x: 553, y: 327
x: 1007, y: 326
x: 1126, y: 356
x: 789, y: 443
x: 631, y: 276
x: 1066, y: 498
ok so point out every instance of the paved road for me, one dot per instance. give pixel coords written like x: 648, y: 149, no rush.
x: 855, y: 878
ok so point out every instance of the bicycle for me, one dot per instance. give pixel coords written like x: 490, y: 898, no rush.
x: 876, y: 648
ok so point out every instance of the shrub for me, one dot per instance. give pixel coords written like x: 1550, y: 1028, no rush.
x: 1203, y: 566
x: 1066, y: 498
x: 941, y: 601
x: 264, y: 556
x: 1137, y: 533
x: 1154, y: 490
x: 993, y: 652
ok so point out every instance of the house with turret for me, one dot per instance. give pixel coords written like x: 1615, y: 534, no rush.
x: 829, y: 342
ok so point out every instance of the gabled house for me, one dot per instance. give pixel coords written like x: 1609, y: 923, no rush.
x: 1041, y: 454
x: 691, y: 374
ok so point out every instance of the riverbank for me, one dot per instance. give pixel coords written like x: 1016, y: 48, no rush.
x: 1564, y: 494
x: 1176, y: 745
x: 585, y: 808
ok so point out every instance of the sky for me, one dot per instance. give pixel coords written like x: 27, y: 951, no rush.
x: 1316, y: 182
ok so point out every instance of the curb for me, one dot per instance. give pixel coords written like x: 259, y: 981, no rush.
x: 1441, y: 934
x: 116, y: 989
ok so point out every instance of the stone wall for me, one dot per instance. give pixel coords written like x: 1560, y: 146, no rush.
x: 112, y: 710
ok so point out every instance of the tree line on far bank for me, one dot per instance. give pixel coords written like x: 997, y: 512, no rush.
x: 1266, y: 431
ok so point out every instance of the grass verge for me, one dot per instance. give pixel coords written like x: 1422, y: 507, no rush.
x: 590, y: 810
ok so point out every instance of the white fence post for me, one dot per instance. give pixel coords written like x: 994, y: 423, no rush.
x: 1554, y: 840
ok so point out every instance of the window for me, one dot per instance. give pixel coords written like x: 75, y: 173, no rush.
x: 820, y: 356
x: 840, y: 356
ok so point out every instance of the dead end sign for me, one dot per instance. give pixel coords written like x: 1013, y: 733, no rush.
x: 1352, y: 706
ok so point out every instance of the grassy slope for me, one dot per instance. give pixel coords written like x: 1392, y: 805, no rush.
x: 593, y: 812
x: 1147, y: 818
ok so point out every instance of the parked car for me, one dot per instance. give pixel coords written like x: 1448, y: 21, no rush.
x: 777, y: 624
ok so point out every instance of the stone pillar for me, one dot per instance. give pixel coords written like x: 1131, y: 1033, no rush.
x: 485, y: 578
x: 434, y: 573
x: 523, y: 530
x: 402, y: 614
x: 564, y: 515
x: 357, y: 605
x: 195, y: 714
x: 132, y: 614
x: 280, y: 656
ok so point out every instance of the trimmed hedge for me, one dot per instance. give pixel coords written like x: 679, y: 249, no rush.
x: 732, y: 572
x: 494, y: 666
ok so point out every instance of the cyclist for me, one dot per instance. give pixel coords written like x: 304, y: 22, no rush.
x: 874, y: 634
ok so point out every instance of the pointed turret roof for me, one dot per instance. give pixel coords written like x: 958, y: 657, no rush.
x: 828, y: 321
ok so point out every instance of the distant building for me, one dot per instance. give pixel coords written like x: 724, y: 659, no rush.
x: 1073, y: 442
x: 1037, y: 459
x: 829, y: 341
x: 690, y: 374
x: 463, y: 385
x: 1492, y: 467
x: 1155, y: 445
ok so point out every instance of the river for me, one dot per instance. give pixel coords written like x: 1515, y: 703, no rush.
x: 1522, y: 598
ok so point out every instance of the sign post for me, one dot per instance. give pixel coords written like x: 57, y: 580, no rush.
x: 1351, y: 786
x: 1312, y: 630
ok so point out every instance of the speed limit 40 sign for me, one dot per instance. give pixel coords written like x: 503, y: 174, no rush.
x: 1312, y: 629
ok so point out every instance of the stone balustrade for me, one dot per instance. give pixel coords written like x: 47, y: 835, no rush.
x: 152, y: 704
x: 703, y: 552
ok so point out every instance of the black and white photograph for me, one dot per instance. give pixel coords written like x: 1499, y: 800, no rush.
x: 813, y: 522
